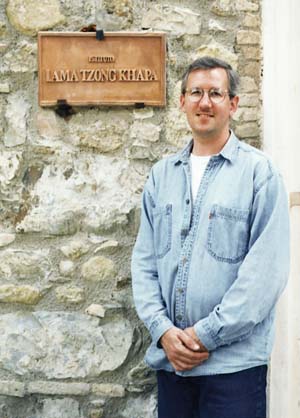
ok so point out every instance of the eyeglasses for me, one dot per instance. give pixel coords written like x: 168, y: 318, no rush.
x: 216, y: 96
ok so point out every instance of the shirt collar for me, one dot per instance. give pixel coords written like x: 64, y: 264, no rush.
x: 229, y: 151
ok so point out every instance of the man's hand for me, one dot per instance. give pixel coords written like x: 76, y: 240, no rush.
x: 191, y: 332
x: 182, y: 350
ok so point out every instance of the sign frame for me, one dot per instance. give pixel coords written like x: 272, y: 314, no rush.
x: 143, y: 85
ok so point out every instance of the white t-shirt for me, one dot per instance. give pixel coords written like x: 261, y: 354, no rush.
x: 198, y: 165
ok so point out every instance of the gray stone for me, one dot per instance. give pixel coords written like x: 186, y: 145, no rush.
x: 12, y: 388
x: 141, y: 377
x: 59, y: 345
x: 140, y: 407
x: 176, y: 20
x: 108, y: 390
x: 10, y: 162
x: 177, y: 129
x: 60, y: 408
x: 66, y: 267
x: 145, y: 113
x: 215, y: 26
x: 6, y: 239
x: 70, y: 294
x: 30, y: 16
x: 21, y: 59
x: 25, y: 294
x: 57, y: 388
x: 98, y: 268
x: 145, y: 131
x: 16, y: 113
x: 47, y: 124
x: 95, y: 197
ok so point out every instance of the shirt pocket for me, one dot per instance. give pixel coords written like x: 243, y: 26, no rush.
x: 162, y: 223
x: 228, y: 234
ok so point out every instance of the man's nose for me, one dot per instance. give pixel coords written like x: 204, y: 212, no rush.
x: 205, y: 100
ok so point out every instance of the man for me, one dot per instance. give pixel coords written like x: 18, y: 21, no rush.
x: 211, y: 259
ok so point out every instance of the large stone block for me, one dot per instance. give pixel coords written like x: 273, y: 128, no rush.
x: 12, y: 388
x: 16, y: 113
x: 58, y: 345
x: 28, y: 295
x: 97, y: 195
x: 57, y: 388
x: 247, y: 6
x: 70, y: 294
x: 224, y: 8
x: 108, y: 390
x: 24, y: 265
x: 59, y: 408
x: 30, y: 16
x: 21, y: 59
x: 248, y: 37
x: 247, y: 130
x: 140, y: 407
x: 176, y: 20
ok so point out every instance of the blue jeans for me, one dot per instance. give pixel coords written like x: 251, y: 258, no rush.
x: 234, y: 395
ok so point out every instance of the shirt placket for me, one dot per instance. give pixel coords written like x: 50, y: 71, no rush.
x: 191, y: 218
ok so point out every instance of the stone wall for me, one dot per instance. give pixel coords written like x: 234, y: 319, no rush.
x: 71, y: 345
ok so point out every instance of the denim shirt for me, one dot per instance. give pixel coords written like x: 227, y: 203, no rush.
x: 219, y: 264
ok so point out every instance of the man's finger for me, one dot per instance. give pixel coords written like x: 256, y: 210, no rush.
x: 188, y: 341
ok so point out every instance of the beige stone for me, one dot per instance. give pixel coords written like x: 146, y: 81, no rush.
x: 248, y: 85
x: 247, y: 130
x: 176, y: 20
x: 177, y: 129
x: 145, y: 113
x: 249, y: 100
x: 217, y: 51
x: 108, y: 246
x: 98, y: 268
x: 247, y: 114
x: 224, y: 8
x: 10, y: 162
x: 16, y: 113
x: 96, y: 310
x: 68, y: 294
x: 21, y: 59
x: 251, y: 21
x: 30, y: 16
x: 248, y: 37
x: 3, y: 45
x: 75, y: 249
x: 251, y: 69
x: 215, y: 26
x: 250, y: 52
x: 25, y: 294
x: 24, y: 265
x: 247, y: 6
x: 4, y: 88
x: 108, y: 390
x: 96, y: 413
x: 6, y: 239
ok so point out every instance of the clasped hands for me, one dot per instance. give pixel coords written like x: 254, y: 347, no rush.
x: 183, y: 348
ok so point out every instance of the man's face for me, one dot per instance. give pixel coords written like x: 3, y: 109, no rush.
x: 207, y: 119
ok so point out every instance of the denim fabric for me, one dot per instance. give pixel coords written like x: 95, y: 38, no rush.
x: 234, y: 395
x: 218, y: 265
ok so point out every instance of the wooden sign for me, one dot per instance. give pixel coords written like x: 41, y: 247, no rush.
x: 121, y: 69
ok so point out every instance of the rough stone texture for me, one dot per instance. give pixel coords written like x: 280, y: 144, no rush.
x: 16, y: 113
x: 6, y: 239
x: 57, y: 388
x: 70, y: 294
x: 248, y: 37
x: 70, y: 191
x: 30, y: 16
x: 218, y: 51
x: 98, y: 268
x: 176, y: 20
x: 26, y: 294
x: 108, y: 390
x: 60, y: 408
x: 12, y: 388
x: 59, y: 345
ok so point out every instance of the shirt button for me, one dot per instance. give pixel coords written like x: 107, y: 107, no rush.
x: 184, y: 260
x: 179, y: 317
x: 180, y: 290
x: 187, y: 201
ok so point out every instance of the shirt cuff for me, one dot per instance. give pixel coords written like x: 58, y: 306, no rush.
x: 158, y: 327
x: 207, y: 335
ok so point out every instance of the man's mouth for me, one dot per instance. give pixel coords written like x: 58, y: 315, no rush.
x: 208, y: 115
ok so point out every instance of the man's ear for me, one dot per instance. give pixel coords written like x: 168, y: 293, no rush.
x: 234, y: 105
x: 182, y: 102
